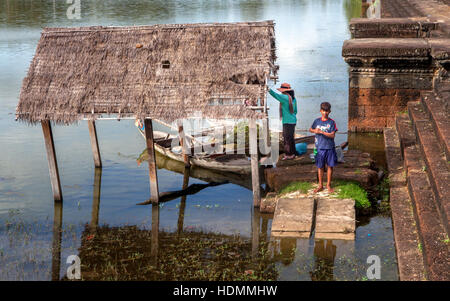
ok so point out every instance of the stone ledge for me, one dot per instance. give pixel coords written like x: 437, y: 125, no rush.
x: 386, y: 47
x: 391, y: 27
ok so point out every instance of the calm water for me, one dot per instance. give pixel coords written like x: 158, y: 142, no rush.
x: 309, y: 37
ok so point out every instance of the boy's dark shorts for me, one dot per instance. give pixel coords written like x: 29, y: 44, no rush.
x: 326, y: 156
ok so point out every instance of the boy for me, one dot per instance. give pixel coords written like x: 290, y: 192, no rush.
x: 325, y: 130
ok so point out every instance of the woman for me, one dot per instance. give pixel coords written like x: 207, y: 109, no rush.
x: 288, y: 112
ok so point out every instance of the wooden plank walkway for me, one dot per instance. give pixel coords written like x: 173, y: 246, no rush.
x: 329, y: 218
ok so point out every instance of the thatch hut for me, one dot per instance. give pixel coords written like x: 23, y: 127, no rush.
x: 167, y: 72
x: 162, y: 71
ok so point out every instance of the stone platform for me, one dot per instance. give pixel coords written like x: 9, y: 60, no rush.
x: 358, y: 167
x: 328, y: 218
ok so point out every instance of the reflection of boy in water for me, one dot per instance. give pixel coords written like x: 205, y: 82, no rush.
x: 324, y: 264
x: 287, y: 248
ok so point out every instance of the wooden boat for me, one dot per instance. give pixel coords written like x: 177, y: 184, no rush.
x: 232, y: 163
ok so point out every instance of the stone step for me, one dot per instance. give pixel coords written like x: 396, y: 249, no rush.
x: 435, y: 107
x: 436, y: 164
x: 293, y: 217
x: 279, y: 177
x: 434, y: 239
x: 298, y: 217
x: 394, y: 158
x: 406, y: 237
x: 335, y: 219
x: 406, y: 137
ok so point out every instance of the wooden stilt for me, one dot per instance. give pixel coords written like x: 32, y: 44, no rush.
x: 56, y: 242
x: 154, y: 191
x: 182, y: 137
x: 183, y: 201
x: 94, y: 143
x: 155, y: 234
x: 96, y: 198
x: 254, y: 163
x: 255, y: 232
x: 52, y: 162
x: 264, y: 228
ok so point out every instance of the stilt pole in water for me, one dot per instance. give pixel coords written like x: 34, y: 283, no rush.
x: 51, y: 158
x: 255, y: 232
x: 96, y: 198
x: 154, y: 191
x: 94, y: 144
x: 183, y: 201
x: 155, y: 234
x: 254, y: 162
x: 56, y: 241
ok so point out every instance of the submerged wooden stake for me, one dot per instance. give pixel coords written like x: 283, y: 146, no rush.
x: 56, y: 241
x: 152, y: 169
x: 255, y: 232
x: 51, y: 158
x: 155, y: 234
x: 254, y: 163
x: 96, y: 198
x: 94, y: 143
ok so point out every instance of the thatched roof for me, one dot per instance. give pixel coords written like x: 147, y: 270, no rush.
x: 161, y: 71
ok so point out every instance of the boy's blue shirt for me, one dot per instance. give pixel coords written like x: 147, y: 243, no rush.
x: 328, y: 126
x: 288, y: 117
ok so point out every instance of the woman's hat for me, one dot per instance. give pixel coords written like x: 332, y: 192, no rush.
x: 284, y: 87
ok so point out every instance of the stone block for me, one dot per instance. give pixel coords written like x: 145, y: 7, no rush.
x: 335, y: 219
x: 293, y: 217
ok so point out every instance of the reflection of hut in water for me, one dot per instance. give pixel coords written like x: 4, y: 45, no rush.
x: 127, y: 253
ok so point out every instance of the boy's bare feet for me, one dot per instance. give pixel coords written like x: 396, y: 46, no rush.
x: 318, y: 189
x: 330, y: 190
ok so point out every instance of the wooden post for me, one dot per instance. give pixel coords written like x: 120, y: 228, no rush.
x: 182, y: 137
x: 264, y: 227
x: 96, y: 198
x: 254, y: 163
x: 255, y: 232
x: 94, y: 143
x: 183, y: 201
x: 51, y: 158
x: 152, y: 169
x: 56, y: 241
x: 155, y: 234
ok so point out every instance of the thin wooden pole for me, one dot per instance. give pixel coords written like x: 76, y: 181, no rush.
x: 264, y: 227
x: 96, y: 198
x: 254, y: 163
x: 182, y: 137
x: 94, y: 143
x: 52, y: 162
x: 56, y: 241
x: 155, y: 234
x: 152, y: 169
x: 255, y: 232
x: 180, y: 223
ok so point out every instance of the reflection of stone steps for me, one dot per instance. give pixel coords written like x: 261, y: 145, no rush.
x: 328, y: 218
x: 422, y: 140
